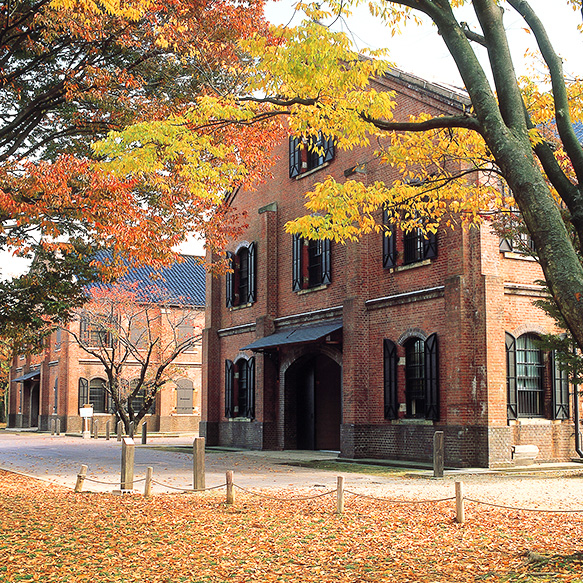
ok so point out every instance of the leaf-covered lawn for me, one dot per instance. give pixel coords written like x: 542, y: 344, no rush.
x: 51, y: 534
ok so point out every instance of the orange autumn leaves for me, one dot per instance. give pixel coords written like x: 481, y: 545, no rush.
x: 50, y: 534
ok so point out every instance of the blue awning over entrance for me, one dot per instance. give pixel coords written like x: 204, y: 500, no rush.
x: 298, y: 335
x: 27, y: 376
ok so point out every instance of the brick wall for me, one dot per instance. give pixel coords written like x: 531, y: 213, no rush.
x: 469, y: 295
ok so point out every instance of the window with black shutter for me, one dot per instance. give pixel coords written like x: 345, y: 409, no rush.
x: 240, y: 388
x: 390, y: 380
x: 524, y: 377
x: 389, y: 243
x: 241, y: 280
x: 560, y: 394
x: 229, y: 381
x: 55, y: 396
x: 415, y: 377
x: 512, y: 404
x: 83, y: 392
x: 431, y: 378
x: 309, y: 153
x: 230, y: 281
x: 422, y: 378
x: 419, y: 246
x: 311, y: 263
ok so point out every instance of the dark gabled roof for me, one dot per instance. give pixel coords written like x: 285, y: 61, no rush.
x: 179, y: 283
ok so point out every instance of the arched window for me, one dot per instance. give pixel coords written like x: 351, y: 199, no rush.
x: 524, y: 377
x: 240, y: 388
x: 415, y: 377
x: 137, y: 401
x: 98, y: 396
x: 422, y: 378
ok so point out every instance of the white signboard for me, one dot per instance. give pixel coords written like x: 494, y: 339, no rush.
x: 86, y: 411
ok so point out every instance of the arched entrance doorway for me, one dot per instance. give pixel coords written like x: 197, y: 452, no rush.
x: 313, y: 403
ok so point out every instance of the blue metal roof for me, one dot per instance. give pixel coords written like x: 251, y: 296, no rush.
x: 578, y: 128
x: 181, y: 282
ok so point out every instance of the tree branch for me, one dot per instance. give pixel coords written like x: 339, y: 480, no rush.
x: 444, y: 122
x: 555, y: 65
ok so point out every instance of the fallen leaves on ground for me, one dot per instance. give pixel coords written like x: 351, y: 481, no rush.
x: 50, y: 534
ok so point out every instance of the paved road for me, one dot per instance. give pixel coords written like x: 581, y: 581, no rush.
x: 57, y: 459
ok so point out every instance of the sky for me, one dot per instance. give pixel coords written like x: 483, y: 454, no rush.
x: 422, y: 52
x: 419, y: 51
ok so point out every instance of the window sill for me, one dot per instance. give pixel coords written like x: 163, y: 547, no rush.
x: 238, y: 420
x: 413, y: 265
x: 531, y: 421
x: 412, y: 421
x: 311, y: 171
x: 519, y: 256
x: 240, y: 307
x: 309, y: 290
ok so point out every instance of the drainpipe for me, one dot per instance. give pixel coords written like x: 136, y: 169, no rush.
x: 576, y: 420
x: 576, y: 413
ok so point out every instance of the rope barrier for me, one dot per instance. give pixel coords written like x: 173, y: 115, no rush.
x: 549, y: 510
x: 110, y: 483
x: 187, y: 489
x: 287, y: 499
x: 389, y: 501
x: 116, y: 483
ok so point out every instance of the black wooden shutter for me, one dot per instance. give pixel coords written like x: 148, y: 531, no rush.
x: 431, y: 378
x: 560, y: 390
x: 230, y: 281
x: 251, y: 275
x: 328, y: 146
x: 430, y: 246
x: 83, y: 392
x: 297, y: 246
x: 511, y: 387
x: 295, y: 157
x: 326, y: 262
x: 229, y: 378
x: 84, y: 330
x: 389, y: 243
x: 250, y: 412
x: 390, y: 379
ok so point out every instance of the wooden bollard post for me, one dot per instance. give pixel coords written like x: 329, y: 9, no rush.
x: 148, y: 483
x: 144, y: 433
x: 81, y: 479
x: 107, y: 429
x: 58, y: 426
x: 340, y: 495
x: 53, y: 425
x: 438, y: 454
x: 119, y: 430
x: 95, y: 429
x: 230, y: 490
x: 198, y: 478
x: 127, y: 464
x: 460, y: 517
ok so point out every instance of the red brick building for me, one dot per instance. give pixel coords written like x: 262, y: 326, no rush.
x: 57, y: 382
x: 369, y: 348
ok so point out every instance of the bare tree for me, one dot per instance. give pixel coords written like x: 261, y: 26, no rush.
x: 138, y: 336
